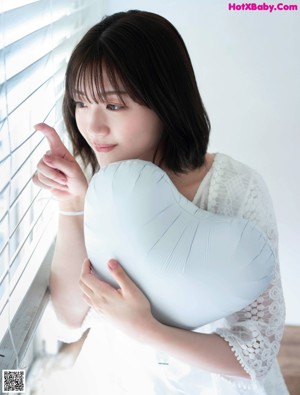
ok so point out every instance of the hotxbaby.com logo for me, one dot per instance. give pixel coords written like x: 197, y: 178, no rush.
x: 262, y: 7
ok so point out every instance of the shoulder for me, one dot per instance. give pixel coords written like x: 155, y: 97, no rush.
x: 231, y: 168
x: 232, y: 181
x: 238, y: 190
x: 239, y: 178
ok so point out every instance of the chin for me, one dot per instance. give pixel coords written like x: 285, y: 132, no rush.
x: 105, y: 162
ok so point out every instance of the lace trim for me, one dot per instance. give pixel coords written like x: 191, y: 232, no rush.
x: 254, y: 333
x: 255, y: 384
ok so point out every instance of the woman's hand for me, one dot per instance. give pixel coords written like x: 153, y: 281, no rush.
x: 129, y: 310
x: 58, y: 170
x: 126, y: 307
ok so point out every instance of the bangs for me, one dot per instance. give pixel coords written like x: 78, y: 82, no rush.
x: 89, y: 78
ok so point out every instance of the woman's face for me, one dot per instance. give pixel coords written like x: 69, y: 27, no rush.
x: 118, y: 129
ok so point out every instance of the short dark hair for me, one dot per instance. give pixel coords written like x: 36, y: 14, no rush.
x: 146, y: 54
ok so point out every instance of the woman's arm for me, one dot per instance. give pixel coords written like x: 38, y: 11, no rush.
x: 129, y: 310
x: 68, y: 256
x: 254, y: 333
x: 59, y: 172
x: 205, y: 351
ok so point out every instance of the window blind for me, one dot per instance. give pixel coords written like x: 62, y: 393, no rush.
x: 36, y: 38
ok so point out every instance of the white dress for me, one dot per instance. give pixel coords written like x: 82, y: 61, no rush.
x: 110, y: 363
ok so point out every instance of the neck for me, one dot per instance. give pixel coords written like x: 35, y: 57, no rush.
x: 188, y: 183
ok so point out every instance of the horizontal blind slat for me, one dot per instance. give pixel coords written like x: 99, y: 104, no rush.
x: 22, y: 85
x: 24, y: 138
x: 9, y: 5
x: 40, y: 42
x: 15, y: 283
x: 23, y: 21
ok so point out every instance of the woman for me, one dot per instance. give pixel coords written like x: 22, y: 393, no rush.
x: 131, y: 93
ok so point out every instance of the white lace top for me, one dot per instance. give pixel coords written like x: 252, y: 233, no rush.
x: 113, y: 364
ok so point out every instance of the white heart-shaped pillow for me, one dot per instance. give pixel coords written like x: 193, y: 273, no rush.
x: 194, y: 266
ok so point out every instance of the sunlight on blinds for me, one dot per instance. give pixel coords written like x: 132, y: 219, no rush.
x: 36, y: 38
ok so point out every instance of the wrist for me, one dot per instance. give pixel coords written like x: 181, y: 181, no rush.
x: 75, y: 204
x: 152, y: 332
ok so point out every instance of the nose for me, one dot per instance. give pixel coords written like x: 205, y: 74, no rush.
x: 98, y: 123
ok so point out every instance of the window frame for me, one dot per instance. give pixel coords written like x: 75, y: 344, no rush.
x: 26, y: 320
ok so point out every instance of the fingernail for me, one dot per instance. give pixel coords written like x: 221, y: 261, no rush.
x: 113, y: 264
x: 38, y: 126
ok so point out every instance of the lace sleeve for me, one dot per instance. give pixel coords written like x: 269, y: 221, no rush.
x: 255, y: 332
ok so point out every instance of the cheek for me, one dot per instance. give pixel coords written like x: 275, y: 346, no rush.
x: 155, y: 130
x: 147, y: 128
x: 78, y: 119
x: 81, y: 127
x: 80, y: 123
x: 141, y: 136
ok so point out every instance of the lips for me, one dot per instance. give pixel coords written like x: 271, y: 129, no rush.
x: 104, y: 147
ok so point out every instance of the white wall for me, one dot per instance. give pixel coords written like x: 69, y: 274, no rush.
x: 247, y: 66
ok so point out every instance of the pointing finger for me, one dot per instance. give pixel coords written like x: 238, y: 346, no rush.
x: 56, y: 145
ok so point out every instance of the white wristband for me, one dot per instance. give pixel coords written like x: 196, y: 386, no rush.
x: 71, y: 213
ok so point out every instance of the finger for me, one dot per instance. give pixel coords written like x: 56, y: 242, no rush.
x: 90, y: 303
x: 67, y: 167
x: 99, y: 287
x: 85, y: 289
x: 86, y: 267
x: 56, y: 145
x: 42, y: 182
x: 121, y: 276
x: 51, y: 173
x: 38, y: 183
x: 60, y: 192
x: 87, y: 276
x: 48, y: 182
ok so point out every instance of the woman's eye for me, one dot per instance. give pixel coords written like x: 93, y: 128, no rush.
x: 115, y: 107
x: 80, y: 104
